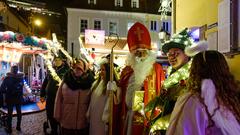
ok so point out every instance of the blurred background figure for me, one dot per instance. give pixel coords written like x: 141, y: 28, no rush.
x: 72, y: 100
x: 12, y: 87
x: 49, y: 90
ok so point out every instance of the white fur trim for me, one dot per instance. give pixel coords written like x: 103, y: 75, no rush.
x: 141, y: 71
x: 102, y: 61
x: 196, y: 48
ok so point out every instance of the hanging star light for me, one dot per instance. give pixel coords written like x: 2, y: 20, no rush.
x: 165, y: 8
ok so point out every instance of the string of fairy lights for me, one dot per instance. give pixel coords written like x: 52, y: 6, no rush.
x: 50, y: 68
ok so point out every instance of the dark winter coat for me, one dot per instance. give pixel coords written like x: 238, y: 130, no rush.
x: 12, y: 88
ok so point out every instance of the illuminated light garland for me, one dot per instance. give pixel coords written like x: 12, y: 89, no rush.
x: 27, y: 86
x: 48, y: 62
x: 9, y: 36
x: 58, y: 46
x: 17, y: 40
x: 175, y: 78
x: 84, y: 51
x: 161, y: 124
x: 180, y: 74
x: 54, y: 46
x: 66, y: 54
x: 51, y: 69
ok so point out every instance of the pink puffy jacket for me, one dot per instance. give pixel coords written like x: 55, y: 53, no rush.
x: 71, y: 107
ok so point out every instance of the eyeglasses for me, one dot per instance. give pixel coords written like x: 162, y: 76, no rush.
x: 173, y: 53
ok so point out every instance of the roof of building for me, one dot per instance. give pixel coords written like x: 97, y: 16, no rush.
x: 145, y: 6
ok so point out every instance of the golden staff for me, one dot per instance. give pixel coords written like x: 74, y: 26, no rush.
x: 111, y: 79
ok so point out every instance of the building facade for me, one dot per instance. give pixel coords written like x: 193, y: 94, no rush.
x: 112, y: 16
x: 10, y: 20
x: 219, y: 23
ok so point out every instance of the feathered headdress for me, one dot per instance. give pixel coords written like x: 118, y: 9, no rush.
x: 196, y: 48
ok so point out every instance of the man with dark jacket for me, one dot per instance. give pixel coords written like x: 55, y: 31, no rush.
x: 12, y: 87
x: 49, y: 90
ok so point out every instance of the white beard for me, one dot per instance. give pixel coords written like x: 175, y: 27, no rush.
x: 141, y: 71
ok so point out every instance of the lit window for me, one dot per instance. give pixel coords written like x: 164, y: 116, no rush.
x: 92, y: 2
x: 112, y: 27
x: 153, y: 26
x: 135, y: 3
x: 165, y: 26
x: 119, y: 3
x: 97, y: 25
x: 83, y: 25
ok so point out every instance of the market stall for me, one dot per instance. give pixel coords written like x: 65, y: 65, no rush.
x: 14, y: 47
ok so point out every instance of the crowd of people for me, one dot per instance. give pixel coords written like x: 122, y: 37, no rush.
x: 199, y: 95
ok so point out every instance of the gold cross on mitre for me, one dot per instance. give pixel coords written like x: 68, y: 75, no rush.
x: 139, y: 32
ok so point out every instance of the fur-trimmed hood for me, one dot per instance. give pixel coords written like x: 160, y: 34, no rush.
x: 18, y: 75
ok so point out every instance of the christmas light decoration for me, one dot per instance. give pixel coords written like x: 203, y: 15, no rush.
x: 84, y: 52
x: 161, y: 123
x: 28, y: 89
x: 54, y: 46
x: 180, y: 74
x: 175, y: 79
x: 58, y: 46
x: 50, y: 68
x: 11, y: 37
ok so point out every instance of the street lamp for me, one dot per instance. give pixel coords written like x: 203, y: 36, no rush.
x: 38, y: 22
x: 163, y: 35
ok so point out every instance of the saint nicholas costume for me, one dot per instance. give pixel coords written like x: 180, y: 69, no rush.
x: 139, y: 85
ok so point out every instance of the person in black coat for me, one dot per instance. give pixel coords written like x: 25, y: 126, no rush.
x: 12, y: 87
x: 49, y: 90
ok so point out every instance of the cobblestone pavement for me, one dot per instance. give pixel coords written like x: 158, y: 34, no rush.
x: 32, y: 124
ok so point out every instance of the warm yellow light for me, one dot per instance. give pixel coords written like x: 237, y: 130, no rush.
x: 38, y: 22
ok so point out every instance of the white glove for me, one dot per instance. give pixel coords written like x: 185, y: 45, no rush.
x: 141, y: 111
x: 111, y: 85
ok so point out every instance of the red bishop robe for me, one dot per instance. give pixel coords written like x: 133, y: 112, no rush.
x: 152, y: 85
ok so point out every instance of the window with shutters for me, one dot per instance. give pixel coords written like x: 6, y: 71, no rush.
x: 83, y: 25
x: 135, y: 3
x: 97, y: 24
